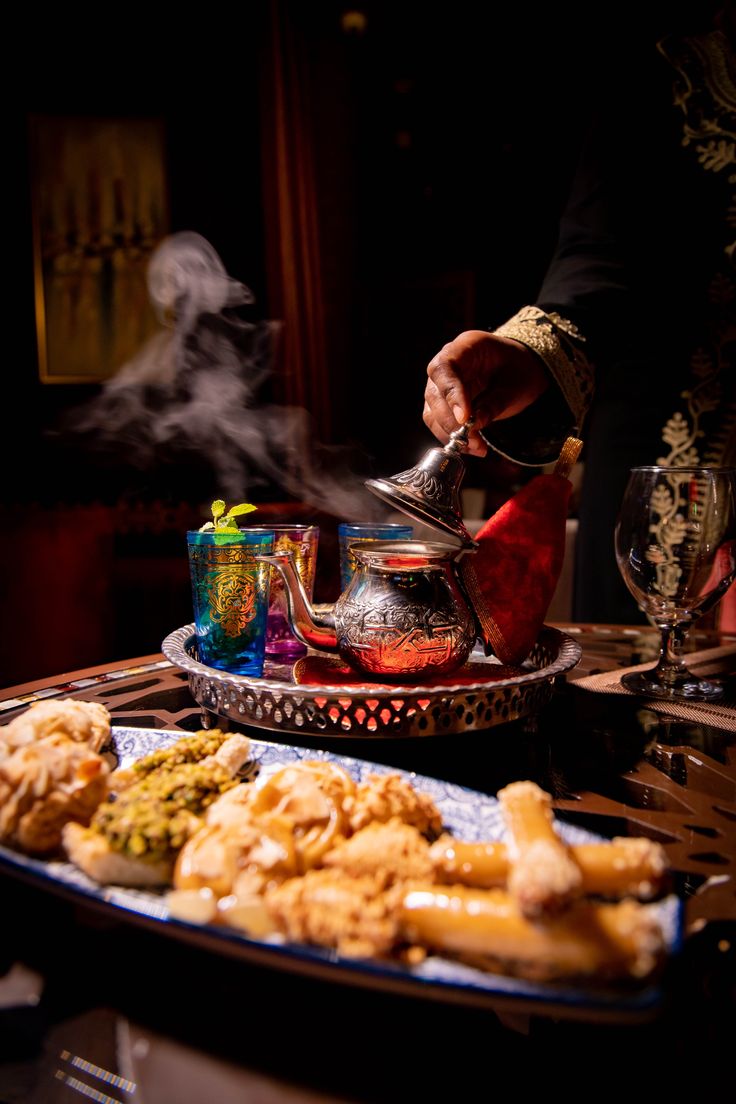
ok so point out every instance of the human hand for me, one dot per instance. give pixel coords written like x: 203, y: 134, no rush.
x: 483, y: 375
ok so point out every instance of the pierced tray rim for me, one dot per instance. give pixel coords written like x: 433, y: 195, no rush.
x: 176, y: 647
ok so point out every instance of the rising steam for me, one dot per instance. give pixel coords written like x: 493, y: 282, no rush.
x: 194, y: 387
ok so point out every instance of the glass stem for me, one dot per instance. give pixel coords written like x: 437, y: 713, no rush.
x: 671, y: 670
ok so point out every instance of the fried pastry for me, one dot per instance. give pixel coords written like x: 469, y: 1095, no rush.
x: 488, y: 928
x: 308, y: 855
x: 313, y: 796
x: 218, y: 856
x: 81, y: 721
x: 383, y: 796
x: 45, y: 784
x: 625, y: 867
x: 231, y: 808
x: 332, y: 910
x: 389, y: 853
x: 245, y: 911
x: 544, y: 878
x: 293, y: 789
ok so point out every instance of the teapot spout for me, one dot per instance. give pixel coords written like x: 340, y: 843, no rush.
x: 316, y: 631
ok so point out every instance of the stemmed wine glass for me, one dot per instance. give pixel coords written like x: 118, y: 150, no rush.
x: 676, y: 550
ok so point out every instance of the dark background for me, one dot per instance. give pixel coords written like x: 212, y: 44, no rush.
x: 445, y: 145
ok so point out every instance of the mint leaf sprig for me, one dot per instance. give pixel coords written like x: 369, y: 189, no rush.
x: 223, y: 520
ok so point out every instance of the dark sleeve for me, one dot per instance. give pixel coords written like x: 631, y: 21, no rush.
x: 586, y: 287
x: 587, y: 280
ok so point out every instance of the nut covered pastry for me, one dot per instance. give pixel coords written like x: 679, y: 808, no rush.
x: 388, y: 852
x: 84, y: 722
x: 625, y: 867
x: 330, y: 909
x: 189, y: 749
x: 383, y: 796
x: 45, y: 784
x: 544, y: 877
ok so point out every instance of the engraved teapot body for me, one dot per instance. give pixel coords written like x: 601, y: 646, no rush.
x: 402, y: 615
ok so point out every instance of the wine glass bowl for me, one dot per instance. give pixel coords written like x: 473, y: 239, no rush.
x: 676, y: 551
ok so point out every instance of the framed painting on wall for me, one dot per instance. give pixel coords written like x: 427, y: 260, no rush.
x: 99, y: 208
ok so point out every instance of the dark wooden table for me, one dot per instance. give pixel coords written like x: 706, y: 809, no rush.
x: 187, y: 1025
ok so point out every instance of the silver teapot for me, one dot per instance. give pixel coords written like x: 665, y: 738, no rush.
x: 402, y: 615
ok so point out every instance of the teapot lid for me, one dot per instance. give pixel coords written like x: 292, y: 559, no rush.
x: 430, y: 491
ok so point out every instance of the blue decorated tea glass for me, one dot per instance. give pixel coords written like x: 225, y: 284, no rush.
x: 348, y: 531
x: 230, y: 593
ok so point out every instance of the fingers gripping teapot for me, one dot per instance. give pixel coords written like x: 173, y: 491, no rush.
x: 402, y: 614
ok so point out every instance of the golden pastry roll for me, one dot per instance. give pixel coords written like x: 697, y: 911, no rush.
x: 623, y: 867
x: 487, y: 927
x: 543, y: 876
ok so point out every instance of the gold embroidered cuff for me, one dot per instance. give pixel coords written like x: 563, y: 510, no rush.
x: 558, y: 343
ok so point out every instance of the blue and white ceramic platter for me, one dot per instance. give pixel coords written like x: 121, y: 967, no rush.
x: 466, y: 813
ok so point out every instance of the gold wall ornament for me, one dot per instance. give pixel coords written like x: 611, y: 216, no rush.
x: 99, y: 208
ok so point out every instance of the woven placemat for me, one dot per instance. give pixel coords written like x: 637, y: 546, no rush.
x: 710, y: 663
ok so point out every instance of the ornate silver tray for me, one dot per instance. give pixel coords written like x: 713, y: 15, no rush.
x: 279, y: 703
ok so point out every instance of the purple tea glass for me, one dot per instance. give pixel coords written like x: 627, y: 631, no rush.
x: 302, y: 541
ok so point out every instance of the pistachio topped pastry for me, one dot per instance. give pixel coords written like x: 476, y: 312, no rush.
x: 190, y: 749
x: 135, y: 835
x: 153, y: 818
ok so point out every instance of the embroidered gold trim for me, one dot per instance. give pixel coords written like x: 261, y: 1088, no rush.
x: 705, y: 92
x: 669, y: 531
x: 558, y: 343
